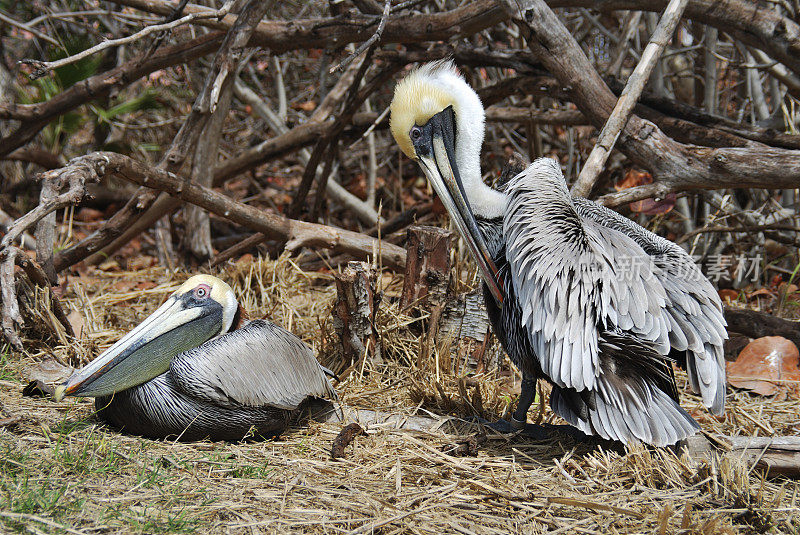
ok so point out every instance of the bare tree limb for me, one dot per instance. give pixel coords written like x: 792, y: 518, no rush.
x: 750, y: 22
x: 25, y: 240
x: 28, y: 28
x: 621, y: 51
x: 44, y: 67
x: 619, y: 116
x: 186, y: 140
x: 74, y: 179
x: 34, y: 117
x: 282, y: 36
x: 369, y: 42
x: 296, y: 233
x: 677, y: 166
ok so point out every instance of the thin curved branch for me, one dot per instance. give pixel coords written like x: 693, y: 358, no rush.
x: 297, y: 234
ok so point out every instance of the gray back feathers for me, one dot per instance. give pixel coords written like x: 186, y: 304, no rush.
x: 573, y: 277
x: 579, y: 272
x: 260, y: 364
x: 693, y: 308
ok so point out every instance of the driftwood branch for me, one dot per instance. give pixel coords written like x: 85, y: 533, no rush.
x: 677, y: 166
x: 627, y: 100
x: 34, y: 117
x: 296, y: 234
x: 74, y: 180
x: 152, y: 208
x: 10, y: 257
x: 756, y: 25
x: 756, y: 324
x: 775, y: 456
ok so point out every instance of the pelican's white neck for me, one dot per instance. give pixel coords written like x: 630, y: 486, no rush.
x: 485, y: 201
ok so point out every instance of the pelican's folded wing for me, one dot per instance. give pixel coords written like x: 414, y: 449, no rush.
x: 260, y: 364
x: 694, y: 309
x: 572, y: 278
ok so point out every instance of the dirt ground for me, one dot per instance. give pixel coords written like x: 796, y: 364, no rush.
x: 63, y: 471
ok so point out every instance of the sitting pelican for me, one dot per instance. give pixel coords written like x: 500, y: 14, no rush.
x: 189, y: 372
x: 577, y: 294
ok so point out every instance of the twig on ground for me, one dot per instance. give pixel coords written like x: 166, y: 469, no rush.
x: 344, y: 438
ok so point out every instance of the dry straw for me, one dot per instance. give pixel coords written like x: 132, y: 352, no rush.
x: 63, y: 471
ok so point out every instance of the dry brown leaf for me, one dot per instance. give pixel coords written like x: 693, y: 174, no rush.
x: 308, y: 105
x: 246, y: 258
x: 75, y: 319
x: 766, y: 366
x: 634, y: 178
x: 48, y: 370
x: 759, y: 292
x: 787, y: 289
x: 654, y: 207
x: 88, y: 214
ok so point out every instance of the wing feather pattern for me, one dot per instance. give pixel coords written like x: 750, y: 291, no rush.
x: 634, y: 400
x: 693, y: 308
x: 573, y: 277
x: 260, y: 364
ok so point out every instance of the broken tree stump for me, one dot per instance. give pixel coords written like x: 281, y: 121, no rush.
x: 427, y: 275
x: 427, y: 280
x: 354, y: 315
x: 464, y: 320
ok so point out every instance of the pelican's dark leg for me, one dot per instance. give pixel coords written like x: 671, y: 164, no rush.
x: 526, y: 398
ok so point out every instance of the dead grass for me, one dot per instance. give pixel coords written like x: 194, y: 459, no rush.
x: 62, y: 471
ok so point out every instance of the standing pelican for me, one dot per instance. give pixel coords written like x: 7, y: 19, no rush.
x: 189, y: 372
x: 577, y: 294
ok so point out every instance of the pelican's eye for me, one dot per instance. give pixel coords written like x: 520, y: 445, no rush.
x: 416, y: 133
x: 202, y: 291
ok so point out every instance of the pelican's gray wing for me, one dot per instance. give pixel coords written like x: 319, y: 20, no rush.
x: 693, y: 309
x: 260, y: 364
x: 573, y: 277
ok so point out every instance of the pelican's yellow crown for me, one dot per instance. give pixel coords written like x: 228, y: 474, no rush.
x: 417, y: 98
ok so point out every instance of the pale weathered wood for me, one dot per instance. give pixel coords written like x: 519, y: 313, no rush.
x: 297, y: 234
x: 630, y: 95
x: 465, y: 316
x: 427, y: 274
x: 676, y: 166
x: 756, y: 324
x: 354, y: 315
x: 776, y: 456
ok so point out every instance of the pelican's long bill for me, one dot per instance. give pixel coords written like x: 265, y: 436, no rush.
x: 184, y: 321
x: 435, y: 147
